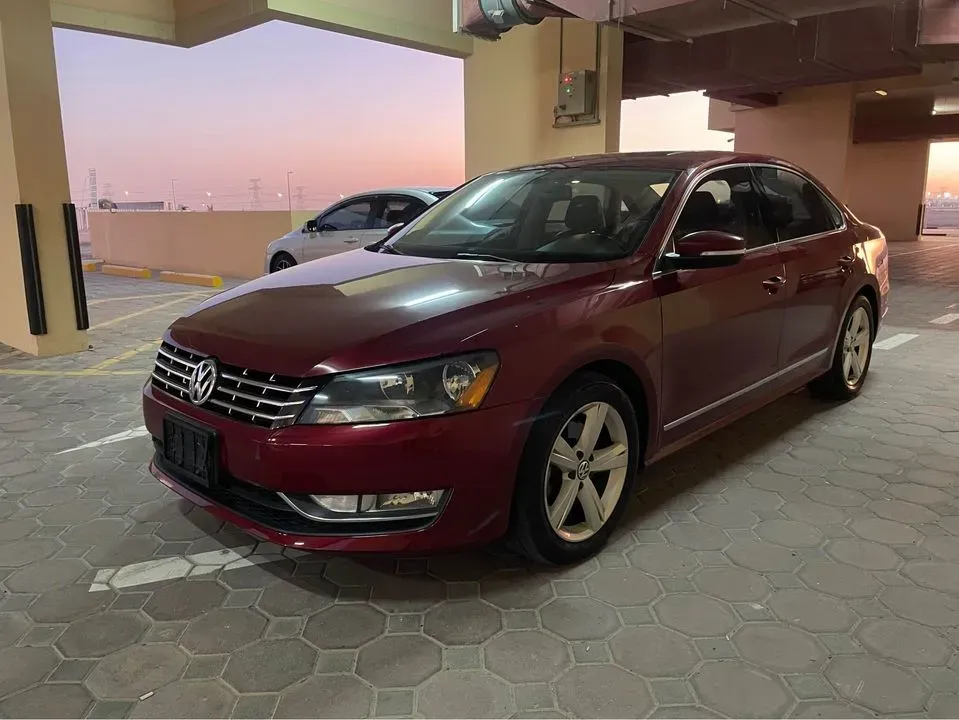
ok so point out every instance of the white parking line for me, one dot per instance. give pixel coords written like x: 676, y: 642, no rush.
x: 180, y: 566
x: 109, y: 439
x: 945, y: 319
x: 894, y: 341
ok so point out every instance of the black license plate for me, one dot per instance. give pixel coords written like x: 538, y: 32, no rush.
x: 191, y: 450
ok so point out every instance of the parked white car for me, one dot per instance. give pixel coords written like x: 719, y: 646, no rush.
x: 353, y: 222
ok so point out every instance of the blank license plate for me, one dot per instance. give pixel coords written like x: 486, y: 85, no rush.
x: 190, y: 449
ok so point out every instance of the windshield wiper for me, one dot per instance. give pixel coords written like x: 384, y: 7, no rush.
x: 482, y: 256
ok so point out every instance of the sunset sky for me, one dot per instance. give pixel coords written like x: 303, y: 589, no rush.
x: 280, y: 98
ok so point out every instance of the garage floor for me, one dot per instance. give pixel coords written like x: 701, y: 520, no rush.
x: 803, y: 562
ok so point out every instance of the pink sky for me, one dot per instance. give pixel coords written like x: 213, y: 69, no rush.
x: 276, y: 98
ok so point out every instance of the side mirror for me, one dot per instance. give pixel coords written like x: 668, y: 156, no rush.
x: 706, y: 249
x: 310, y: 226
x: 394, y: 229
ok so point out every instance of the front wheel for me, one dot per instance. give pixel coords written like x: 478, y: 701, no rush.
x: 844, y: 380
x: 281, y: 261
x: 576, y: 472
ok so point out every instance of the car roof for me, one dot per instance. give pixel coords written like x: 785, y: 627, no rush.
x: 412, y: 190
x: 678, y: 160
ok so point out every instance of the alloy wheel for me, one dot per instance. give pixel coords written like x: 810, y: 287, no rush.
x: 586, y: 471
x: 856, y: 347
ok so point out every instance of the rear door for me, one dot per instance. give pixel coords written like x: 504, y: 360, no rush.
x: 340, y: 228
x: 393, y: 209
x: 820, y: 255
x: 721, y: 326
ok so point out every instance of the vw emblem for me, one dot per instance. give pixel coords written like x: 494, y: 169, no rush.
x: 202, y: 381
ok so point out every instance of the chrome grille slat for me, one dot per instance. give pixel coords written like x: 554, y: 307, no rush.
x: 250, y: 396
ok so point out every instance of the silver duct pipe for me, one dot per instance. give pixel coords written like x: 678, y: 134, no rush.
x: 488, y: 19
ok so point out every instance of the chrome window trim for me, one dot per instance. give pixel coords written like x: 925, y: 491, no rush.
x: 701, y: 176
x: 739, y: 393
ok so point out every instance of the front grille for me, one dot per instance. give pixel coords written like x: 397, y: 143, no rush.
x: 250, y: 396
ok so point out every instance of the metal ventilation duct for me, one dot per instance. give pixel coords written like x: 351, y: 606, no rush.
x: 489, y: 19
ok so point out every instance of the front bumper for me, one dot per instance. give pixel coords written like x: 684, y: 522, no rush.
x: 474, y: 456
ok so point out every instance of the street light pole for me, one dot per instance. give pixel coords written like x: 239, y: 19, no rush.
x: 173, y: 187
x: 289, y: 197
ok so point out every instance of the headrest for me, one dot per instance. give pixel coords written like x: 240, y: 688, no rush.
x: 585, y: 214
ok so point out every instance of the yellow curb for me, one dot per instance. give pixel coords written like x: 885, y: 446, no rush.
x: 124, y: 271
x: 91, y: 265
x: 191, y: 278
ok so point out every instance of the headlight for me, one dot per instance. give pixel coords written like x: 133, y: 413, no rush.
x: 402, y: 392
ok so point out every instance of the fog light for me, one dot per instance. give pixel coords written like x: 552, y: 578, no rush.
x: 344, y: 503
x: 420, y: 500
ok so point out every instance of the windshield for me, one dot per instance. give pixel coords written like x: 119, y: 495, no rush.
x: 541, y: 215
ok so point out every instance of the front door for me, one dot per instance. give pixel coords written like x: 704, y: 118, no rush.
x: 392, y: 210
x: 721, y: 326
x: 820, y: 257
x: 343, y: 227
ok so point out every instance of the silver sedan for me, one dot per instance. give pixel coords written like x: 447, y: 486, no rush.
x: 352, y: 222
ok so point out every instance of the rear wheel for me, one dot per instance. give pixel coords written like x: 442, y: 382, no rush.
x: 576, y: 473
x: 281, y: 261
x: 844, y: 380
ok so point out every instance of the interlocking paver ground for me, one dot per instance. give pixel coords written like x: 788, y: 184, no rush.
x: 803, y: 562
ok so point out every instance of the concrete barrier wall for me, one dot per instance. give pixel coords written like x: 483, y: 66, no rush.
x: 230, y: 244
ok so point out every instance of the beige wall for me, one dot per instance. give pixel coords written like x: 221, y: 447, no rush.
x: 510, y: 88
x: 887, y: 183
x: 810, y: 127
x: 230, y: 244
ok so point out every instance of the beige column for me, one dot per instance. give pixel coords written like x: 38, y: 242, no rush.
x: 811, y: 127
x: 33, y: 170
x: 511, y: 87
x: 887, y: 185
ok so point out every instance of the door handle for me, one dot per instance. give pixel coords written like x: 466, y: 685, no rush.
x: 774, y: 283
x: 352, y: 240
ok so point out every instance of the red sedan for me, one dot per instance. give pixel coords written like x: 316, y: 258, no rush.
x: 507, y: 362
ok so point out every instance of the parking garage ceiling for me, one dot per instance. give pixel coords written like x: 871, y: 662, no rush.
x: 747, y: 51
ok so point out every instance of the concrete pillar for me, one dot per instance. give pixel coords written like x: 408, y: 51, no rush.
x: 33, y: 170
x: 811, y: 127
x: 511, y: 88
x: 887, y: 185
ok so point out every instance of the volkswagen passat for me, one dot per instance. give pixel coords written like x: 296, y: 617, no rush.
x: 505, y: 363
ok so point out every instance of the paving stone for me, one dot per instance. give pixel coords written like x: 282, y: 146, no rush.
x: 13, y: 625
x: 464, y: 693
x: 903, y: 512
x: 664, y: 560
x: 696, y: 536
x: 101, y: 634
x: 326, y: 696
x: 927, y: 607
x: 46, y: 575
x: 695, y: 615
x: 653, y: 652
x: 762, y: 557
x: 863, y: 554
x: 407, y: 593
x: 95, y: 532
x: 526, y: 656
x: 579, y: 618
x: 269, y: 665
x: 185, y: 600
x: 136, y: 670
x: 603, y: 691
x: 468, y: 622
x: 394, y: 703
x: 223, y: 630
x: 205, y: 667
x: 809, y: 687
x: 462, y: 658
x: 534, y: 697
x: 877, y: 685
x: 836, y: 496
x: 943, y: 706
x: 516, y: 590
x: 725, y: 515
x: 26, y: 552
x: 753, y: 499
x: 885, y: 531
x: 945, y: 547
x: 789, y: 533
x: 187, y: 699
x: 842, y: 581
x: 828, y: 710
x: 623, y: 588
x: 904, y: 642
x: 811, y: 611
x: 398, y: 661
x: 737, y: 690
x: 297, y: 598
x: 48, y: 701
x: 344, y: 626
x: 780, y: 649
x: 127, y: 551
x: 11, y: 530
x: 731, y: 584
x: 940, y: 576
x: 21, y: 667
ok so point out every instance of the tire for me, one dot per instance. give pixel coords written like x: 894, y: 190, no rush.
x: 281, y: 261
x: 841, y: 382
x: 541, y: 481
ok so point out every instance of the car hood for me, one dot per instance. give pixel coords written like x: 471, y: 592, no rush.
x: 361, y: 308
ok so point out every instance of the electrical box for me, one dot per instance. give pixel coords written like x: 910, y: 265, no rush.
x: 577, y: 93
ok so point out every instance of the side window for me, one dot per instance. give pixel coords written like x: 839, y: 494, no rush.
x: 397, y: 210
x: 348, y: 217
x: 797, y: 208
x: 726, y: 201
